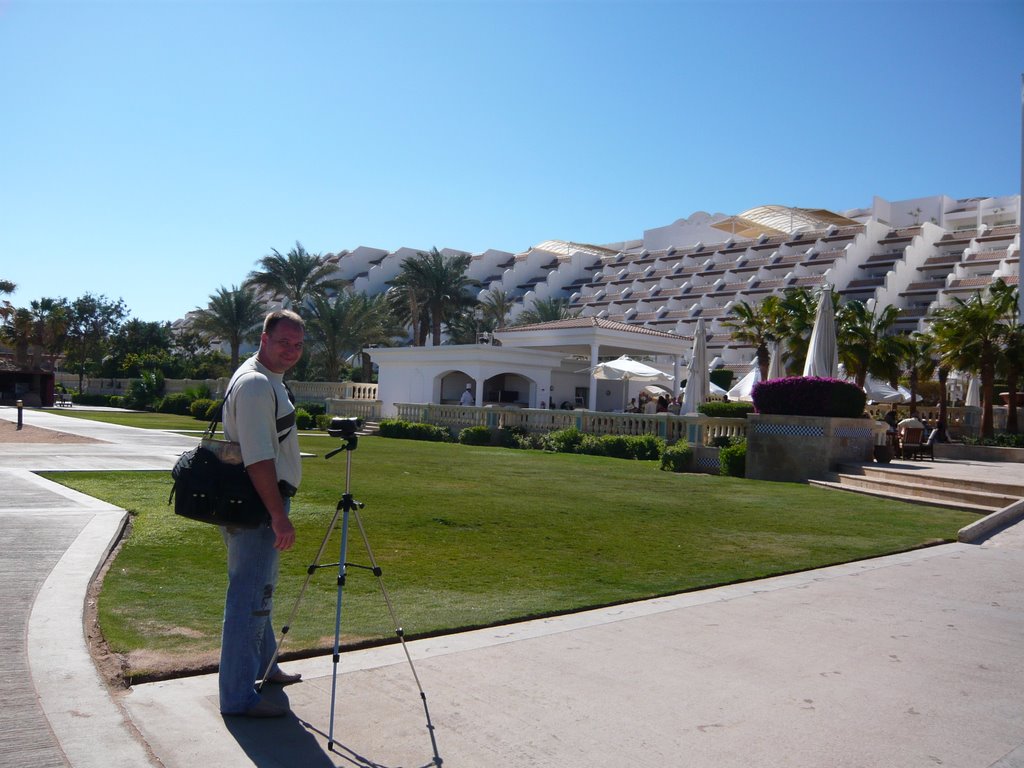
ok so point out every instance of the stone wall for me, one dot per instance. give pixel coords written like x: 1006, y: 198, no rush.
x: 800, y: 448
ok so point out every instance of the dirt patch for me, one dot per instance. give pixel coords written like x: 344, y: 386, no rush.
x: 9, y: 433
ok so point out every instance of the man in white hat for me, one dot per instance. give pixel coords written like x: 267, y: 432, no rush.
x: 467, y: 396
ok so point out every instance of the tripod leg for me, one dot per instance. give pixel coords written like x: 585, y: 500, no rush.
x: 342, y: 572
x: 399, y: 632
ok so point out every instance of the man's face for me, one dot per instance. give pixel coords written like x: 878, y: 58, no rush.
x: 282, y: 347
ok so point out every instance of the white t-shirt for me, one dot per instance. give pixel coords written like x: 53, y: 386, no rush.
x: 250, y: 420
x: 467, y: 398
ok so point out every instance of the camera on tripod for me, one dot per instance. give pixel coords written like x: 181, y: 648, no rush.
x: 345, y: 428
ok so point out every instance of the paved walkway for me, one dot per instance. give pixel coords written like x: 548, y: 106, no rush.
x: 904, y: 661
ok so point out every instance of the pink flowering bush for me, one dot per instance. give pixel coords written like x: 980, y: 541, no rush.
x: 810, y: 396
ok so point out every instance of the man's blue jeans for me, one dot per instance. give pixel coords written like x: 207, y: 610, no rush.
x: 247, y: 642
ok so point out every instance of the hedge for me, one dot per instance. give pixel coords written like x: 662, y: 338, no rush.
x: 677, y: 457
x: 727, y: 410
x: 810, y: 396
x: 413, y: 431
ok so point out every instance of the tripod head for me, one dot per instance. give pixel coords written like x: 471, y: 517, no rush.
x: 345, y: 428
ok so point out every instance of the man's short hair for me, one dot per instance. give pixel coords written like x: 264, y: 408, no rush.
x: 273, y: 318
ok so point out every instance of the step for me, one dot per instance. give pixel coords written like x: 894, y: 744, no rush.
x: 922, y: 488
x: 895, y: 495
x: 897, y: 475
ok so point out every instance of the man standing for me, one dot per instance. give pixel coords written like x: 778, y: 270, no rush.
x: 259, y: 415
x: 467, y: 396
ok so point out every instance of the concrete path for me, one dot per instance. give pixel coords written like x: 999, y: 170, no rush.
x: 904, y: 661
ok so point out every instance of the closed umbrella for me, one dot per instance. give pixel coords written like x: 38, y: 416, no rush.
x: 973, y: 393
x: 696, y: 373
x: 823, y: 353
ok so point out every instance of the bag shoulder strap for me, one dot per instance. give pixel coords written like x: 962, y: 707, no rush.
x: 219, y: 413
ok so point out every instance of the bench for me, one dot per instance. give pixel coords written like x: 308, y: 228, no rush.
x: 62, y: 400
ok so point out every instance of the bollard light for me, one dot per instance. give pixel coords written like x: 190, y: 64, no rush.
x: 20, y: 404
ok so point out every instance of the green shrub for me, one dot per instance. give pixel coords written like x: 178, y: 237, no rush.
x: 729, y: 410
x: 194, y: 393
x: 303, y: 420
x: 116, y: 401
x: 144, y: 393
x: 648, y: 447
x: 677, y: 457
x: 413, y: 431
x: 213, y: 410
x: 200, y: 406
x: 618, y: 446
x: 179, y: 403
x: 1002, y: 440
x: 475, y: 436
x: 525, y: 441
x: 508, y: 437
x: 323, y: 421
x: 313, y: 409
x: 562, y: 440
x: 591, y: 445
x: 733, y: 459
x: 92, y: 399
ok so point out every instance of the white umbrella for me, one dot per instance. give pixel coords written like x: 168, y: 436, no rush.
x: 696, y: 372
x: 880, y: 392
x: 775, y: 363
x: 627, y: 369
x: 743, y: 390
x: 823, y: 354
x: 973, y: 393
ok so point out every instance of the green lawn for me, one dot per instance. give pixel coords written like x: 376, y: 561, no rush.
x: 168, y: 421
x: 470, y: 537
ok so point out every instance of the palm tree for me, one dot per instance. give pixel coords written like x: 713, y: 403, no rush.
x: 433, y: 287
x: 798, y: 307
x: 758, y: 325
x: 866, y: 345
x: 49, y: 326
x: 967, y: 335
x: 233, y: 315
x: 546, y: 311
x: 466, y: 327
x: 294, y: 278
x: 496, y: 306
x: 17, y: 332
x: 1011, y: 358
x: 919, y: 361
x: 346, y: 324
x: 6, y: 308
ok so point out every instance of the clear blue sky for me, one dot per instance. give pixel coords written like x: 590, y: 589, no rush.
x: 154, y: 151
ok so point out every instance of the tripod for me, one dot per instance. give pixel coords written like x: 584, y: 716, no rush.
x: 347, y: 505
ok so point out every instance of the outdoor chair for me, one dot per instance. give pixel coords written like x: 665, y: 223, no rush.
x: 928, y: 446
x: 911, y: 442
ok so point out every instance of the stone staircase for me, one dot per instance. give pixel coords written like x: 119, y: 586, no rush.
x: 369, y: 429
x: 979, y: 496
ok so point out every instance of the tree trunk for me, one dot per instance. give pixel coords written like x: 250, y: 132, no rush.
x: 943, y: 403
x: 1011, y: 406
x: 913, y: 392
x: 988, y: 388
x: 763, y: 360
x: 367, y: 368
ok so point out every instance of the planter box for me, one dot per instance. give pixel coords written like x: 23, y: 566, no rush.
x: 801, y: 448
